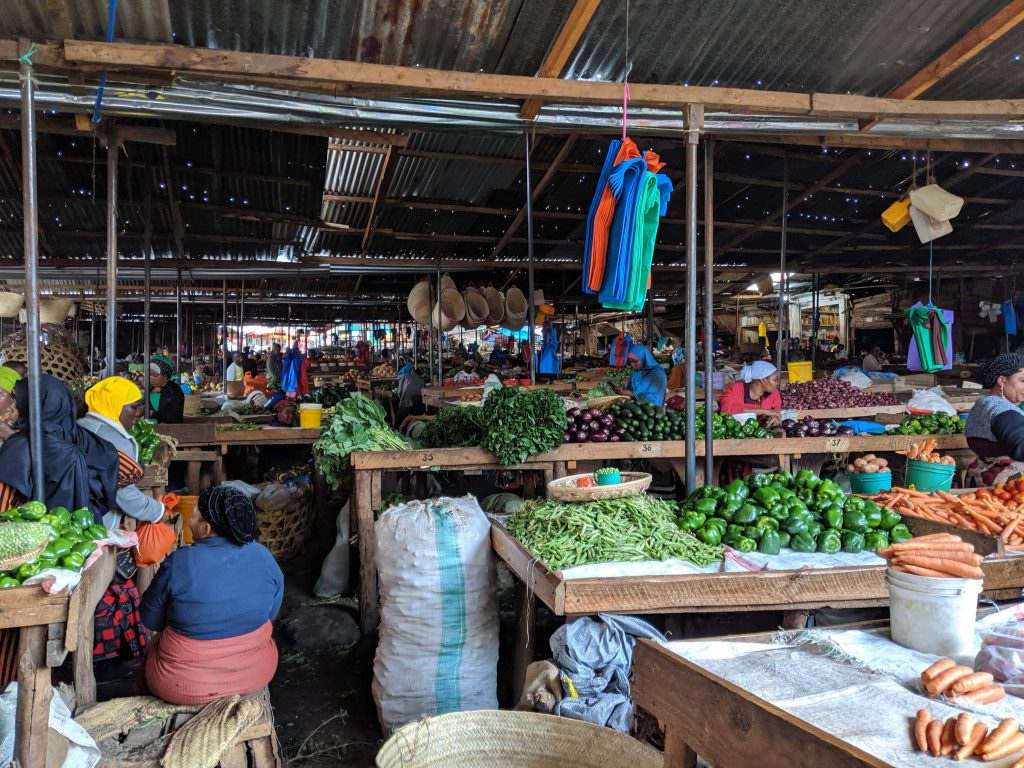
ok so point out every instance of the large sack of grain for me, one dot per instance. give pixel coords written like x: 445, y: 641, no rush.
x: 438, y: 649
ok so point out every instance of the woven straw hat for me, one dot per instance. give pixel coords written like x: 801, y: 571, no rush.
x: 514, y: 740
x: 476, y: 308
x: 495, y: 305
x: 10, y: 303
x: 447, y: 282
x: 419, y: 302
x: 515, y: 302
x: 450, y: 311
x: 54, y: 310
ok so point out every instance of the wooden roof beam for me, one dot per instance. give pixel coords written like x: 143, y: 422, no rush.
x: 387, y: 168
x: 561, y: 49
x: 541, y: 185
x: 172, y: 206
x: 962, y: 51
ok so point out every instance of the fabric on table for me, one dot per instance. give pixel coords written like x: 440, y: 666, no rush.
x: 626, y: 182
x: 595, y: 659
x: 183, y: 670
x: 117, y: 623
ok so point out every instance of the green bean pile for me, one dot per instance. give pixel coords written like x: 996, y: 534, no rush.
x: 563, y: 534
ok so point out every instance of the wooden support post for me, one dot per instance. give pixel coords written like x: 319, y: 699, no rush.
x: 795, y: 619
x: 34, y: 694
x: 526, y: 637
x: 677, y: 753
x: 363, y: 509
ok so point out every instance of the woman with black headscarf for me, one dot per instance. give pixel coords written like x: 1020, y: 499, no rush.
x: 166, y: 399
x: 995, y: 427
x: 213, y: 604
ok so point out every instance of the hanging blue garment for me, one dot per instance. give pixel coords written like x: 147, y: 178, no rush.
x: 626, y: 182
x: 1009, y: 318
x: 291, y: 369
x: 602, y: 182
x: 547, y: 358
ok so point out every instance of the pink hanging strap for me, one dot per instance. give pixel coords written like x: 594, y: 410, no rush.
x: 625, y: 107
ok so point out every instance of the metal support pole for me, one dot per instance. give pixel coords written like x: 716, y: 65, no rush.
x: 694, y: 125
x: 782, y: 262
x: 177, y: 327
x: 147, y: 333
x: 814, y: 322
x: 30, y: 207
x: 111, y: 254
x: 709, y: 308
x: 241, y: 317
x: 224, y: 340
x: 530, y: 311
x: 440, y: 333
x: 650, y: 318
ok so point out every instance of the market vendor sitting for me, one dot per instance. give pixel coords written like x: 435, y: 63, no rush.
x: 213, y: 604
x: 995, y: 427
x: 757, y: 392
x: 409, y: 394
x: 165, y: 396
x: 648, y: 382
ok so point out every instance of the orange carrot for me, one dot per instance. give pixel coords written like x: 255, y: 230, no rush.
x: 934, y: 734
x: 964, y: 728
x: 1000, y: 735
x: 950, y: 567
x: 947, y: 740
x: 1009, y: 529
x: 1013, y: 745
x: 920, y: 729
x: 1019, y: 763
x: 939, y: 666
x: 917, y: 571
x: 978, y: 734
x: 943, y: 681
x: 973, y: 682
x: 943, y: 554
x: 986, y: 695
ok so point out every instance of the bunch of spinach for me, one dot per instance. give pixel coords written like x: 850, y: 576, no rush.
x: 461, y: 427
x: 358, y: 424
x: 522, y: 422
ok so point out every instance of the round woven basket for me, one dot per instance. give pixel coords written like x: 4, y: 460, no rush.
x: 54, y: 310
x: 476, y: 309
x: 515, y: 302
x: 59, y: 356
x: 564, y: 489
x: 10, y: 303
x: 450, y: 311
x: 447, y: 282
x: 283, y: 531
x: 13, y: 562
x: 420, y: 302
x: 491, y: 738
x: 495, y: 305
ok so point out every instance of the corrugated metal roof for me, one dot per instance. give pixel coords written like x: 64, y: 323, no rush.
x: 997, y: 72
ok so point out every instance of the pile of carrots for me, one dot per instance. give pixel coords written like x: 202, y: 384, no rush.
x: 926, y: 452
x: 981, y: 511
x: 961, y: 737
x: 947, y: 678
x: 942, y: 555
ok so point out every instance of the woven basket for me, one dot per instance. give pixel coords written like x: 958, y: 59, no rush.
x: 283, y: 531
x: 192, y: 405
x: 564, y: 489
x: 512, y: 740
x: 13, y: 562
x: 54, y: 310
x: 10, y: 303
x: 59, y: 356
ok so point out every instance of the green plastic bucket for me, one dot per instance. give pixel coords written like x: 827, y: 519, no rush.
x: 928, y: 476
x: 870, y: 482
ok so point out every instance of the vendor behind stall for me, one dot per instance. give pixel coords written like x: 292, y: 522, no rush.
x: 995, y: 427
x: 648, y: 381
x: 408, y: 394
x: 166, y: 399
x: 758, y: 391
x: 213, y: 604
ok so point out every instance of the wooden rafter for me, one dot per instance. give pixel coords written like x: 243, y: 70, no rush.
x: 60, y: 23
x: 561, y: 49
x: 962, y: 51
x: 541, y: 185
x: 177, y: 225
x: 387, y: 167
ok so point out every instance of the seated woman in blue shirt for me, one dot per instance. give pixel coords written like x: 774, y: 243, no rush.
x: 213, y: 604
x: 648, y: 382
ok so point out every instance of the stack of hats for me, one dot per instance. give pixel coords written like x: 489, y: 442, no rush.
x: 477, y: 309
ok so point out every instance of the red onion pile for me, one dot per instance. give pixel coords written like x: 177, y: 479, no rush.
x: 831, y: 392
x: 589, y: 425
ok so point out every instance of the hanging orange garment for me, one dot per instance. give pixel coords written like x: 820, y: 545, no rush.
x: 603, y: 222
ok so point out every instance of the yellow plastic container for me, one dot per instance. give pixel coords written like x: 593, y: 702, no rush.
x: 310, y: 415
x: 184, y: 507
x: 799, y: 372
x: 897, y: 215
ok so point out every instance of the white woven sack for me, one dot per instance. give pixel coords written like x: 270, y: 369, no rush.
x: 927, y: 228
x: 438, y: 647
x: 936, y: 202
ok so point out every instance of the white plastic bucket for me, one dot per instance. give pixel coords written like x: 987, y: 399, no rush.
x: 933, y: 615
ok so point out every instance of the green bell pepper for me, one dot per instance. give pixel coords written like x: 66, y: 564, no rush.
x: 806, y: 495
x: 73, y: 562
x: 801, y: 542
x: 769, y: 543
x: 829, y: 542
x: 59, y: 548
x: 711, y: 492
x: 727, y: 509
x: 833, y: 516
x: 737, y: 491
x: 784, y: 477
x: 766, y: 522
x: 8, y: 583
x: 767, y: 496
x: 854, y: 503
x: 743, y: 544
x: 707, y: 507
x: 717, y: 522
x: 873, y: 516
x: 82, y: 517
x: 710, y: 534
x: 807, y: 479
x: 779, y: 511
x: 758, y: 480
x: 27, y: 570
x: 32, y: 511
x: 753, y: 532
x: 59, y: 518
x: 829, y: 490
x: 890, y: 518
x: 876, y: 540
x: 813, y: 529
x: 853, y: 542
x: 693, y: 520
x: 899, y: 532
x: 746, y: 514
x: 795, y: 526
x: 784, y: 538
x: 855, y: 521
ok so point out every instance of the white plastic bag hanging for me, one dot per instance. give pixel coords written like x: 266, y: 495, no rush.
x: 936, y: 202
x: 927, y: 228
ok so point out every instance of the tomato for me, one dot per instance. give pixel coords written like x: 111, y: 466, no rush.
x: 585, y: 482
x: 999, y: 487
x: 1019, y: 498
x: 984, y: 492
x: 1004, y: 496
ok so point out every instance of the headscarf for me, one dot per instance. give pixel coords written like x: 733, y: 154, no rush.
x: 110, y: 395
x: 650, y: 382
x: 1001, y: 365
x: 407, y: 368
x: 79, y: 469
x: 163, y: 365
x: 8, y: 378
x: 678, y: 356
x: 759, y: 369
x: 229, y: 513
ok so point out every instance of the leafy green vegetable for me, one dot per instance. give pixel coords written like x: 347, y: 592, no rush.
x: 522, y: 422
x: 358, y: 424
x: 148, y: 440
x: 617, y: 530
x: 461, y: 427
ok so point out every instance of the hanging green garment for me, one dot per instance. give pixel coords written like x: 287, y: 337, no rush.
x: 931, y: 335
x: 655, y: 191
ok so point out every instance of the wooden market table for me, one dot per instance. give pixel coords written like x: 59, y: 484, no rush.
x: 369, y: 468
x: 50, y: 627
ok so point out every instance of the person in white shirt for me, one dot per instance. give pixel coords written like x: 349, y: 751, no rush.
x: 236, y: 372
x: 874, y: 360
x: 841, y: 353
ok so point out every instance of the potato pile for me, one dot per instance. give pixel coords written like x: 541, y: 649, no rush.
x: 868, y: 465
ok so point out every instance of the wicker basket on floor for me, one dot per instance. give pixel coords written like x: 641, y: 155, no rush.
x: 512, y: 740
x: 284, y: 531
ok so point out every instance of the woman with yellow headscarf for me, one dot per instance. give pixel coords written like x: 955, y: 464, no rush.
x: 115, y: 404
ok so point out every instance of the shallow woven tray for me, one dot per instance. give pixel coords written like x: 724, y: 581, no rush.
x: 564, y: 489
x: 13, y: 562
